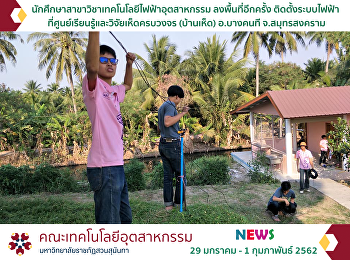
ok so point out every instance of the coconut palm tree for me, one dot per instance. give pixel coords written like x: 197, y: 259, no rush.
x: 162, y: 55
x: 67, y: 99
x: 7, y: 49
x: 252, y: 44
x: 32, y: 87
x: 61, y: 52
x: 55, y: 94
x: 218, y: 81
x: 220, y: 97
x: 33, y: 93
x: 54, y: 88
x: 281, y: 42
x: 330, y: 38
x: 313, y: 68
x: 205, y: 61
x: 162, y: 60
x: 215, y: 80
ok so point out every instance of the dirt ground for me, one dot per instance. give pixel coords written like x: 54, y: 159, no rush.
x: 251, y: 199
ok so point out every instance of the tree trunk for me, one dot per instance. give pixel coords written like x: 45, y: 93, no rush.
x: 328, y: 55
x: 257, y: 75
x: 230, y: 132
x: 146, y: 134
x: 70, y: 80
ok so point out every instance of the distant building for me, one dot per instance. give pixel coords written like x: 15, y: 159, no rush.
x: 279, y: 118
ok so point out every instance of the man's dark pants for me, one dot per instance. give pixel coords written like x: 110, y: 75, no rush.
x: 110, y: 195
x: 170, y: 153
x: 275, y: 206
x: 304, y: 179
x: 323, y: 157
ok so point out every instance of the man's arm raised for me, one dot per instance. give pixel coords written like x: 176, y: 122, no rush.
x: 92, y: 59
x: 130, y: 57
x: 171, y: 120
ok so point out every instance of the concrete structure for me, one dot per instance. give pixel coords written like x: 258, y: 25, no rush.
x: 275, y: 118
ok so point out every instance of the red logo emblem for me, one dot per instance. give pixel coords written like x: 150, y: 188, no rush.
x: 20, y: 243
x: 11, y: 15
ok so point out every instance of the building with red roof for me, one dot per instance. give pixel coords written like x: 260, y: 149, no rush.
x: 279, y: 118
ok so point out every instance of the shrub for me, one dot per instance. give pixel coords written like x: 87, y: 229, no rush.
x: 157, y: 177
x: 208, y: 171
x: 134, y: 176
x: 260, y: 170
x: 44, y: 178
x: 14, y: 180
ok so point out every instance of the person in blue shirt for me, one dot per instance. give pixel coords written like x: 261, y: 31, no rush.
x: 279, y: 203
x: 169, y: 144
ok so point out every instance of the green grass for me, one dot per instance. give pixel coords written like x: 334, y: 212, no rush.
x: 58, y: 210
x: 152, y: 213
x: 238, y: 203
x: 51, y: 210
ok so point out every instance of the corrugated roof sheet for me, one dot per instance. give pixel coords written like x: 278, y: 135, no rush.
x: 307, y: 102
x: 312, y: 102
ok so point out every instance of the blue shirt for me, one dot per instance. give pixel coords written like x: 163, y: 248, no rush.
x: 168, y: 109
x: 279, y: 194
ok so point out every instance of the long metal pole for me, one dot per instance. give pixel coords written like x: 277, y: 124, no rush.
x: 182, y: 173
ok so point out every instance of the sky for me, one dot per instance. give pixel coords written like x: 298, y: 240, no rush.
x: 26, y: 68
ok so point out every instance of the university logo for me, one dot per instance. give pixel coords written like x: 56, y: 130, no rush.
x: 335, y: 241
x: 11, y: 15
x: 20, y: 243
x: 328, y: 242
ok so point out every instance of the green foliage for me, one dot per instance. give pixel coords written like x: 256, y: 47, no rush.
x: 12, y: 113
x: 157, y: 177
x: 51, y: 179
x: 207, y: 60
x: 25, y: 126
x: 133, y: 116
x: 208, y: 171
x: 32, y: 87
x: 7, y: 49
x: 338, y: 139
x: 342, y: 70
x: 281, y: 42
x: 45, y: 118
x: 260, y: 170
x: 216, y: 80
x: 44, y: 178
x: 281, y: 75
x: 134, y: 175
x: 192, y: 124
x: 331, y: 40
x: 14, y: 180
x: 253, y: 42
x: 61, y: 52
x: 162, y: 60
x: 313, y: 68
